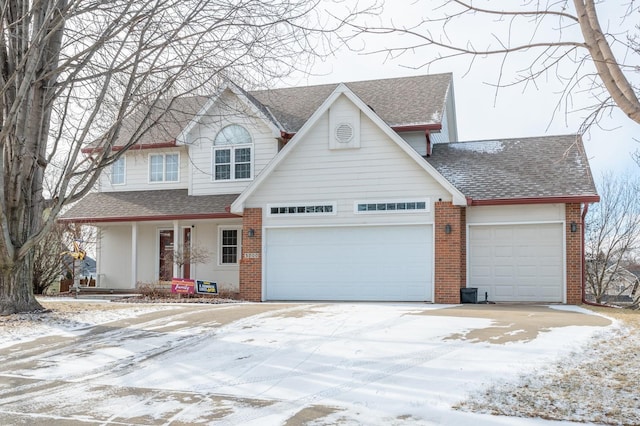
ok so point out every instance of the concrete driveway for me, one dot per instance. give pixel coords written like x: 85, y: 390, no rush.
x: 285, y: 364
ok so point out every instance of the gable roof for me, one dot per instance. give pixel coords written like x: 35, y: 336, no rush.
x: 148, y: 205
x: 245, y: 97
x: 523, y: 170
x: 400, y: 102
x: 238, y: 205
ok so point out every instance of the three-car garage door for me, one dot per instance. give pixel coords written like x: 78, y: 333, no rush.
x: 390, y: 263
x: 517, y: 263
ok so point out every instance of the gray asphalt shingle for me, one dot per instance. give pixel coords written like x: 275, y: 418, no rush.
x: 102, y: 206
x: 398, y: 101
x: 535, y: 167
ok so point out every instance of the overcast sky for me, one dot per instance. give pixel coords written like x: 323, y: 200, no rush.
x: 483, y: 113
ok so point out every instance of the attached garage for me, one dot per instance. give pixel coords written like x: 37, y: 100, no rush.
x: 366, y: 263
x: 517, y: 263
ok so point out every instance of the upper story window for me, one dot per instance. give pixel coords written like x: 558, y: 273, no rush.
x: 117, y: 172
x: 232, y: 154
x: 164, y: 167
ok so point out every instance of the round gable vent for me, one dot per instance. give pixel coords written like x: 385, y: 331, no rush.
x: 344, y: 132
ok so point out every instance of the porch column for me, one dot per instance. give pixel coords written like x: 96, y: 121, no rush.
x: 176, y: 240
x: 134, y: 254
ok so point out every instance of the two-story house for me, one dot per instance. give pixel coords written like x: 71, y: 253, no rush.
x: 355, y: 191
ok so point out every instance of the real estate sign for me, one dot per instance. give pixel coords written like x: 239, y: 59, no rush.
x: 207, y: 287
x: 182, y: 286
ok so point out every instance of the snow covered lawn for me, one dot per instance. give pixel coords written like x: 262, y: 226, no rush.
x: 316, y: 364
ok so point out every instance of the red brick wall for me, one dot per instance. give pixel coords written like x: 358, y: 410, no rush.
x: 450, y: 252
x: 574, y: 254
x: 250, y: 266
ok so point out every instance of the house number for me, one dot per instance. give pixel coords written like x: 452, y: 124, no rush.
x: 251, y: 255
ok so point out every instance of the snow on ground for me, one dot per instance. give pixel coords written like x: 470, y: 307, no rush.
x: 597, y: 383
x: 372, y: 364
x: 64, y: 318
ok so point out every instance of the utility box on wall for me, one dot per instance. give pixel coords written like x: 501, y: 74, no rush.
x: 469, y: 295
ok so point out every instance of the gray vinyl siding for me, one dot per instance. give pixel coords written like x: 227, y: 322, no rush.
x: 377, y: 171
x: 137, y: 172
x: 229, y: 110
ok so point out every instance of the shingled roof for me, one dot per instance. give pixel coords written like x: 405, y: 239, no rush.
x: 148, y: 205
x: 515, y: 169
x: 406, y: 101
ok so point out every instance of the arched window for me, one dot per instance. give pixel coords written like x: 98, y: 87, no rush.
x: 232, y: 157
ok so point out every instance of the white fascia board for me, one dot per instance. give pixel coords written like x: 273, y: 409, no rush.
x: 182, y: 137
x: 237, y: 206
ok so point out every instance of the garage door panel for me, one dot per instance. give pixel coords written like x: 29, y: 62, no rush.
x: 349, y: 263
x: 517, y: 262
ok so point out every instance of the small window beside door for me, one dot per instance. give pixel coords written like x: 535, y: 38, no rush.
x: 229, y: 246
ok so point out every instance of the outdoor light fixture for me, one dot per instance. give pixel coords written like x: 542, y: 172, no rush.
x: 251, y: 233
x: 574, y: 227
x: 447, y: 229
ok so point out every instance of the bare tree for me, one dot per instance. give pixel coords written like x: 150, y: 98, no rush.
x: 612, y: 236
x: 563, y: 38
x: 185, y: 255
x: 73, y: 72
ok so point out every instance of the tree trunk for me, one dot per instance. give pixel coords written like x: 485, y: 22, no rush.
x: 16, y: 290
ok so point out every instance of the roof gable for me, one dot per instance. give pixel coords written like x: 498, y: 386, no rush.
x: 249, y: 101
x: 399, y: 102
x: 342, y: 89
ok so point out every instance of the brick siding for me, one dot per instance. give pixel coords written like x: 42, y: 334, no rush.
x: 250, y: 266
x: 450, y: 252
x: 574, y: 254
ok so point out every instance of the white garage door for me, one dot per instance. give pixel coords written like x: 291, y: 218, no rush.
x: 517, y: 263
x: 349, y: 263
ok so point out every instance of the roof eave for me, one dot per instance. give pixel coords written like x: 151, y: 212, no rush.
x: 417, y: 127
x: 168, y: 144
x: 534, y: 200
x: 149, y: 218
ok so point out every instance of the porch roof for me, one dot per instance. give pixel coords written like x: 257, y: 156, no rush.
x: 138, y: 206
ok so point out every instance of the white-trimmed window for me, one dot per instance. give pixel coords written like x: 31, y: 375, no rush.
x: 229, y: 246
x: 301, y: 209
x: 232, y: 154
x: 404, y: 206
x: 118, y: 171
x: 164, y: 167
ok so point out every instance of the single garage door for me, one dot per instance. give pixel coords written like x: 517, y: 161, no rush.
x: 517, y: 263
x: 375, y: 263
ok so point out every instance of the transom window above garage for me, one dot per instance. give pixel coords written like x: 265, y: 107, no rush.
x: 392, y: 206
x: 302, y: 209
x: 232, y: 157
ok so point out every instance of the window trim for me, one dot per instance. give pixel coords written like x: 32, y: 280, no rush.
x: 124, y: 171
x: 303, y: 204
x: 164, y: 168
x: 233, y: 147
x: 426, y: 201
x: 238, y: 229
x: 232, y: 162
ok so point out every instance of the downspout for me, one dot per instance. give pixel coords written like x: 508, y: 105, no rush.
x: 584, y: 266
x: 427, y: 135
